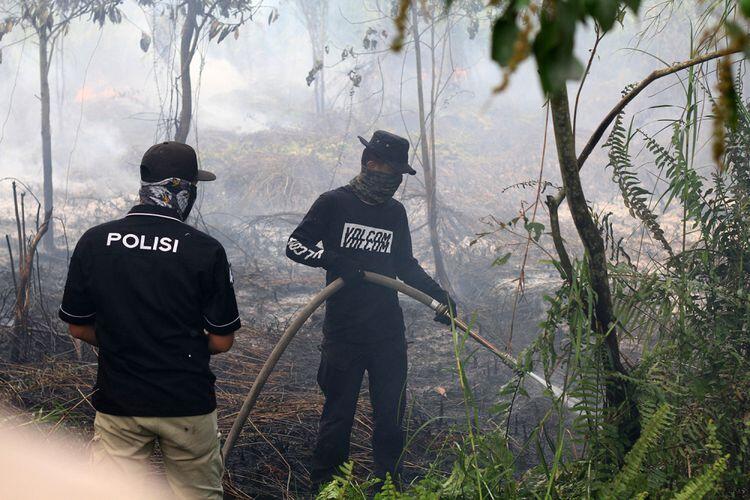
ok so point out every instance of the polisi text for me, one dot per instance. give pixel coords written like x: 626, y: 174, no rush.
x: 142, y: 242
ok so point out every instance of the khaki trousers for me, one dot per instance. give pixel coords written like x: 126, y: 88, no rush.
x: 190, y: 447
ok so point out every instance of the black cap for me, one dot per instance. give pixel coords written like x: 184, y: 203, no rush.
x: 390, y: 148
x: 172, y: 159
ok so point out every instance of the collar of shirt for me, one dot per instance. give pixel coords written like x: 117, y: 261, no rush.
x: 154, y: 211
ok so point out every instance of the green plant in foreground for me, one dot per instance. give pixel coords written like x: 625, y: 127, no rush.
x: 687, y: 316
x: 345, y: 486
x: 630, y: 481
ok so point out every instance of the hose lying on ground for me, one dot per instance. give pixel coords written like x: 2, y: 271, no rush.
x: 300, y: 318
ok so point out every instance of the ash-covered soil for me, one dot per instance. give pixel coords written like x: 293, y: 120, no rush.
x: 273, y: 454
x: 252, y: 209
x: 436, y: 405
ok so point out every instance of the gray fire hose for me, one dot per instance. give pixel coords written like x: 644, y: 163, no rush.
x: 300, y: 318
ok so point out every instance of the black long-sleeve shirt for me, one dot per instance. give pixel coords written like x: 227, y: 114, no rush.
x: 341, y: 226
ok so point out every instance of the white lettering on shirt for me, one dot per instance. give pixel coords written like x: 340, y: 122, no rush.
x: 370, y: 239
x: 296, y: 247
x: 143, y: 243
x: 113, y: 237
x: 130, y: 237
x: 165, y: 244
x: 131, y: 241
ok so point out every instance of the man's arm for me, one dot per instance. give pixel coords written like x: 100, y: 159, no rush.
x: 220, y: 315
x: 303, y: 245
x: 410, y: 271
x: 78, y: 309
x: 87, y: 333
x: 220, y: 343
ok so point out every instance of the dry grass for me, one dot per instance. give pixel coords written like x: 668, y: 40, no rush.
x: 272, y: 456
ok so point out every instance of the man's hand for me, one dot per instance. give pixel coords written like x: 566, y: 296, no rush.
x: 348, y: 270
x: 219, y: 343
x: 446, y: 318
x: 87, y: 333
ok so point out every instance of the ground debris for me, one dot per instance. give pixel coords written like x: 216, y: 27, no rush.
x: 273, y: 453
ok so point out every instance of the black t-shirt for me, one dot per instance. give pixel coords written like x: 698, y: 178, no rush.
x: 377, y: 238
x: 151, y: 285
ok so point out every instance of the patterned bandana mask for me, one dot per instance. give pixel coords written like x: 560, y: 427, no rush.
x: 374, y: 187
x: 174, y: 193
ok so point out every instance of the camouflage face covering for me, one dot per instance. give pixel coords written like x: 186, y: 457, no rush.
x: 375, y: 187
x: 174, y: 193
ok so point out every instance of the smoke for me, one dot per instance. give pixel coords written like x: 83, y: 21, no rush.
x: 111, y: 100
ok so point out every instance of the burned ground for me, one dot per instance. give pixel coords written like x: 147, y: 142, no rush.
x: 273, y: 453
x: 52, y: 389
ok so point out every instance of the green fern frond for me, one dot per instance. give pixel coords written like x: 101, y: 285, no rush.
x: 344, y: 485
x: 684, y: 182
x: 388, y: 491
x: 704, y: 484
x: 631, y: 472
x: 634, y: 196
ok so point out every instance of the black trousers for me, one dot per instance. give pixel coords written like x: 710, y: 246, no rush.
x: 342, y: 368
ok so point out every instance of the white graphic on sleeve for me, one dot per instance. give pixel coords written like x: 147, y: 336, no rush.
x: 370, y: 239
x: 142, y: 242
x: 298, y: 248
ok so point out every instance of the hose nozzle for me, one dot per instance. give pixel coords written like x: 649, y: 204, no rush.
x: 442, y: 309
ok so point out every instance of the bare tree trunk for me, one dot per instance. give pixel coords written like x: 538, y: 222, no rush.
x: 322, y: 87
x: 429, y: 172
x: 319, y: 83
x: 566, y: 267
x: 316, y: 89
x: 587, y: 230
x: 618, y: 393
x: 186, y: 84
x: 21, y: 344
x: 49, y: 240
x: 314, y: 16
x: 318, y: 56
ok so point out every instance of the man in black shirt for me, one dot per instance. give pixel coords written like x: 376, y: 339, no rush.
x: 145, y: 289
x: 355, y: 228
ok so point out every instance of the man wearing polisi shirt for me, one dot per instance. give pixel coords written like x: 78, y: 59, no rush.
x: 355, y: 228
x: 156, y: 296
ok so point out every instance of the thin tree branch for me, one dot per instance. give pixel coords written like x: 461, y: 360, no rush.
x: 562, y: 253
x: 599, y: 37
x: 655, y: 75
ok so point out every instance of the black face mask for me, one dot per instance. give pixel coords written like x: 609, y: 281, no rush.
x: 174, y: 193
x: 375, y: 187
x: 193, y: 190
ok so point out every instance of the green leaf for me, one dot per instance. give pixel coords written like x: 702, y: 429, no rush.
x: 553, y: 50
x: 499, y: 408
x: 605, y: 12
x: 633, y: 5
x: 501, y: 260
x: 535, y: 229
x: 504, y: 35
x: 745, y: 7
